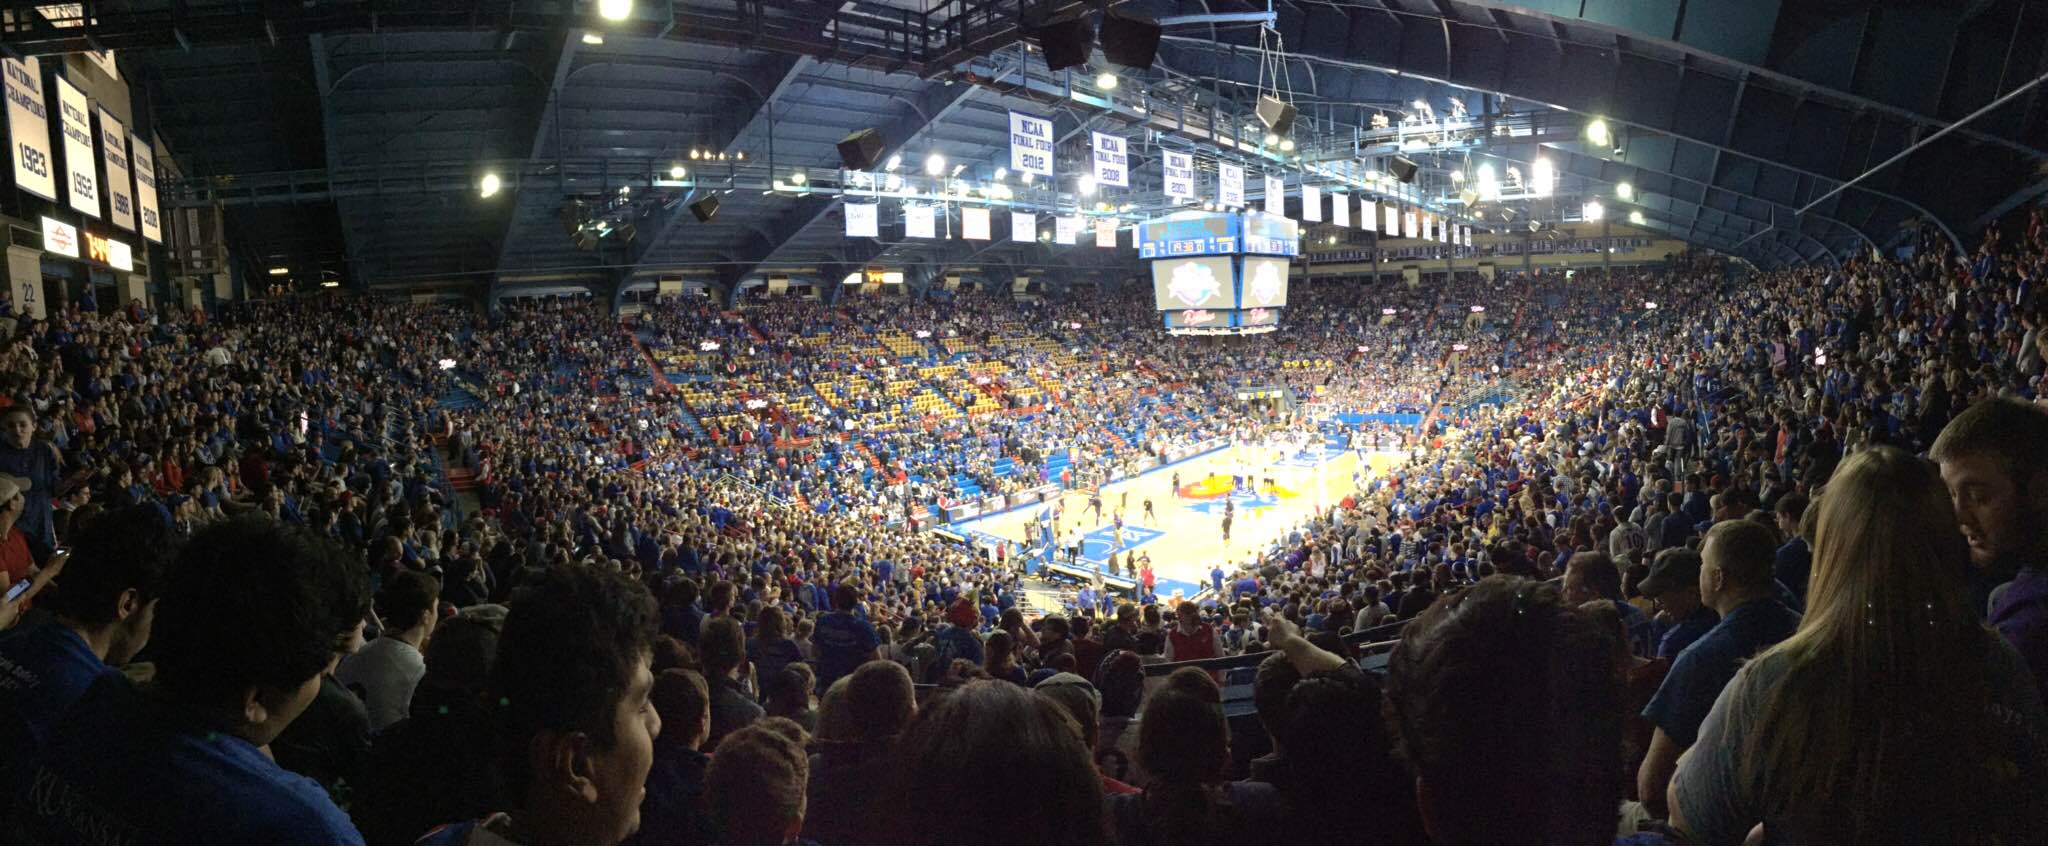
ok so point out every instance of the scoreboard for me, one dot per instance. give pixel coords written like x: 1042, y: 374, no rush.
x: 1219, y: 273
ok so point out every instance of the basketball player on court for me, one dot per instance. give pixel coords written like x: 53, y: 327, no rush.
x: 1151, y: 519
x: 1119, y: 531
x: 1095, y: 502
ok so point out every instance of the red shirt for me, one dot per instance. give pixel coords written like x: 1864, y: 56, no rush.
x: 15, y: 560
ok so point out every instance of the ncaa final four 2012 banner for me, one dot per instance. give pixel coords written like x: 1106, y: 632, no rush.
x: 1030, y: 144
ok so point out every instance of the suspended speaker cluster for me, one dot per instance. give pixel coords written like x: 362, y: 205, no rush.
x: 1128, y: 38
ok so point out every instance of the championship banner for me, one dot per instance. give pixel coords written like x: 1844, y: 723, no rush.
x: 143, y: 162
x: 1443, y: 230
x: 1023, y: 227
x: 1368, y: 214
x: 1408, y: 225
x: 1393, y: 223
x: 114, y: 154
x: 1276, y: 195
x: 920, y: 222
x: 1066, y: 230
x: 1030, y: 144
x: 83, y: 179
x: 1179, y: 175
x: 1105, y: 232
x: 863, y: 220
x: 1311, y: 203
x: 1229, y: 185
x: 1340, y: 209
x: 974, y: 223
x: 28, y: 125
x: 1112, y: 166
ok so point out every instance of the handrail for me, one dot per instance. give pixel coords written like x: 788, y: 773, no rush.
x: 1367, y: 641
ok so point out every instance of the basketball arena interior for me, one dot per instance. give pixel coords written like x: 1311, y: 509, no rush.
x: 990, y: 422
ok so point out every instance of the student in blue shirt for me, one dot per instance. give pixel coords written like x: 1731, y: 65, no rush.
x: 99, y: 619
x: 250, y: 619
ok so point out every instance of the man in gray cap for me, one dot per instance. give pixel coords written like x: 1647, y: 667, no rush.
x: 1674, y: 584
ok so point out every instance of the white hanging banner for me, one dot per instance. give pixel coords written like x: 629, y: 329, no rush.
x: 1105, y: 232
x: 1066, y: 230
x: 1030, y: 144
x: 1229, y: 185
x: 1468, y: 237
x: 1276, y: 195
x: 1340, y: 209
x: 1311, y: 203
x: 1443, y: 230
x: 974, y: 223
x: 83, y: 181
x: 1368, y: 214
x: 1112, y: 166
x: 1023, y: 227
x: 1179, y: 175
x: 143, y: 162
x: 863, y: 220
x: 28, y: 125
x: 1393, y: 222
x: 1408, y: 225
x: 920, y: 222
x: 114, y: 154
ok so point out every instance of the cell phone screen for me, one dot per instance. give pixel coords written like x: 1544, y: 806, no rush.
x: 19, y: 588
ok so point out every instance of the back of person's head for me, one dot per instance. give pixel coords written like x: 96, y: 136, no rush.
x: 571, y: 677
x: 682, y: 592
x: 119, y: 563
x: 880, y: 700
x: 755, y: 784
x: 996, y: 765
x: 719, y: 597
x: 836, y: 721
x: 1276, y: 679
x: 1509, y: 707
x: 999, y: 647
x: 684, y: 703
x: 845, y: 597
x: 459, y: 658
x: 1591, y: 575
x: 1183, y: 739
x: 2009, y: 432
x: 408, y: 599
x: 1079, y: 699
x: 788, y: 691
x: 1743, y: 551
x: 253, y: 615
x: 1195, y: 682
x: 721, y: 646
x: 1121, y: 679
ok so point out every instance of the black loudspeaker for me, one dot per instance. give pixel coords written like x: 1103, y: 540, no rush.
x: 1128, y: 39
x: 1277, y: 116
x: 704, y: 209
x: 1402, y: 169
x: 861, y: 150
x: 1066, y: 40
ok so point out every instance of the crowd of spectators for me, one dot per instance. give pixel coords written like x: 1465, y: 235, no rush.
x: 1686, y: 578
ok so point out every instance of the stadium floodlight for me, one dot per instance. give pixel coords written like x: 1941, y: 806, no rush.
x: 1597, y: 132
x: 1542, y: 176
x: 935, y: 164
x: 1457, y: 176
x: 677, y: 172
x: 490, y: 185
x: 1592, y: 210
x: 1029, y: 177
x: 593, y: 39
x: 615, y: 10
x: 1272, y: 140
x: 1287, y: 145
x: 1106, y: 81
x: 280, y: 271
x: 1002, y: 173
x: 895, y: 162
x: 1489, y: 184
x: 1087, y: 186
x: 1636, y: 218
x: 1625, y: 191
x: 798, y: 178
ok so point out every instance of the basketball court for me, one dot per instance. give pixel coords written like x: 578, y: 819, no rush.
x: 1185, y: 537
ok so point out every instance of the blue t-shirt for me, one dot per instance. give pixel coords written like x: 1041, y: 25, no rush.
x: 843, y: 642
x: 125, y: 766
x: 43, y: 670
x: 1696, y: 678
x: 1685, y: 632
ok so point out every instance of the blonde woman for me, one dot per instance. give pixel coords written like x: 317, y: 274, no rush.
x: 1892, y: 715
